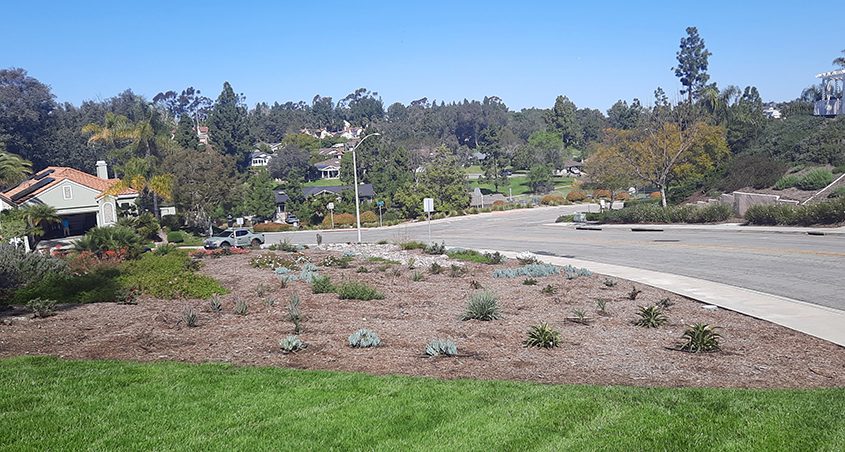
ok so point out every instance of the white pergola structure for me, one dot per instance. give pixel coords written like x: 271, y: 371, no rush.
x: 833, y: 85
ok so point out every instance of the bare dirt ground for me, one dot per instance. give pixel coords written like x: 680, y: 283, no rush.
x: 609, y: 351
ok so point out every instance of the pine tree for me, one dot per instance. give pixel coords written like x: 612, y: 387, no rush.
x: 692, y: 64
x: 186, y: 134
x: 228, y: 128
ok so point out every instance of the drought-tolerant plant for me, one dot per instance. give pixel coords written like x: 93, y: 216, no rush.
x: 434, y: 248
x: 215, y: 304
x: 532, y: 270
x: 412, y: 261
x: 291, y: 344
x: 271, y: 261
x: 339, y: 262
x: 665, y: 303
x: 435, y: 268
x: 241, y: 308
x: 19, y: 268
x: 650, y: 317
x: 701, y: 337
x: 601, y: 306
x: 270, y: 302
x: 295, y: 314
x: 815, y: 179
x: 542, y: 336
x: 396, y: 273
x: 788, y: 181
x: 482, y: 306
x: 381, y: 242
x: 364, y: 338
x: 261, y: 290
x: 286, y: 246
x: 189, y: 316
x: 381, y: 260
x: 322, y: 284
x: 461, y: 254
x: 456, y: 271
x: 412, y: 245
x: 826, y: 212
x: 529, y: 282
x: 609, y: 282
x: 549, y: 290
x: 354, y: 290
x: 526, y: 259
x: 416, y: 276
x: 634, y: 293
x: 475, y: 285
x: 164, y: 249
x: 362, y: 269
x: 42, y: 308
x: 571, y: 272
x: 495, y: 258
x: 441, y: 347
x: 170, y: 276
x: 100, y: 240
x: 579, y: 316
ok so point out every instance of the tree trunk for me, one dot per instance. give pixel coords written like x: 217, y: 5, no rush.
x: 155, y: 207
x: 663, y: 195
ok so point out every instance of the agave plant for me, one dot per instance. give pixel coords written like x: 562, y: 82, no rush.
x: 701, y: 337
x: 291, y: 344
x: 542, y: 336
x: 650, y: 317
x: 441, y: 347
x: 364, y: 338
x: 482, y: 306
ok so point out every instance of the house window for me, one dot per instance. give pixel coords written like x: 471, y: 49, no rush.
x: 108, y: 213
x: 67, y: 192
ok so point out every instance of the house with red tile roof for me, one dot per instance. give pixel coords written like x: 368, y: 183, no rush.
x: 81, y: 200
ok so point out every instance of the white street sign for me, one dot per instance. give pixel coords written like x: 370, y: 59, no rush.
x: 428, y: 205
x: 330, y: 206
x: 239, y: 221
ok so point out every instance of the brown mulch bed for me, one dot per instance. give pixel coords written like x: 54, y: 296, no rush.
x: 609, y: 351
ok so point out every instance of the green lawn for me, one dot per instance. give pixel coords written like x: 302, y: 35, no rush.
x: 322, y: 183
x: 51, y: 404
x: 519, y: 185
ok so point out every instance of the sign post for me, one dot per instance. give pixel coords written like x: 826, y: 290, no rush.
x: 380, y: 204
x: 330, y: 206
x: 428, y: 207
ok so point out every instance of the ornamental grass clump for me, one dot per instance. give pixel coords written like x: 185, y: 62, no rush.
x: 354, y: 290
x: 542, y: 336
x: 189, y: 316
x: 482, y: 306
x: 364, y: 338
x: 215, y: 304
x: 441, y: 347
x: 701, y: 337
x: 295, y: 314
x: 241, y: 308
x: 650, y: 317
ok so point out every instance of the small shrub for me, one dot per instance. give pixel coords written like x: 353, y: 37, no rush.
x: 291, y: 344
x: 815, y: 180
x: 576, y: 196
x: 553, y: 199
x: 295, y: 314
x: 215, y: 304
x: 788, y: 181
x: 609, y: 282
x: 601, y: 194
x: 19, y: 268
x: 171, y: 276
x: 270, y: 302
x: 665, y: 303
x: 127, y: 295
x: 650, y: 317
x: 100, y: 240
x: 532, y: 270
x: 339, y: 262
x: 364, y: 338
x: 412, y: 262
x: 548, y: 290
x: 529, y: 282
x: 441, y: 347
x: 825, y: 212
x: 271, y: 227
x: 322, y: 284
x: 165, y: 249
x: 634, y: 293
x: 175, y: 237
x: 261, y: 290
x: 542, y: 336
x: 416, y: 276
x: 271, y: 261
x: 436, y: 249
x: 354, y: 290
x: 412, y: 245
x: 381, y: 242
x: 469, y: 256
x: 526, y: 259
x: 571, y: 272
x: 189, y: 316
x: 579, y: 316
x: 475, y: 285
x: 495, y: 258
x: 284, y: 245
x: 456, y: 271
x: 241, y: 308
x: 362, y: 269
x: 482, y: 306
x: 42, y: 308
x: 701, y: 337
x: 655, y: 195
x: 601, y: 306
x: 435, y: 268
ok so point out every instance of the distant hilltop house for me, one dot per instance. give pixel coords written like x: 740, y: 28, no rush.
x: 202, y: 134
x: 81, y: 200
x: 772, y: 113
x: 348, y: 132
x: 259, y: 159
x: 329, y: 169
x: 832, y: 92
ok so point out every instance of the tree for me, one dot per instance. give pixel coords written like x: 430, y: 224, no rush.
x: 36, y: 215
x: 540, y: 179
x: 186, y: 133
x: 13, y: 169
x: 116, y: 134
x: 258, y: 197
x: 228, y: 128
x: 563, y: 120
x: 290, y: 163
x: 496, y: 158
x: 139, y: 175
x: 670, y: 152
x: 25, y: 108
x: 840, y: 61
x: 692, y: 64
x: 442, y: 179
x: 608, y: 170
x: 203, y: 182
x: 624, y: 117
x: 381, y: 163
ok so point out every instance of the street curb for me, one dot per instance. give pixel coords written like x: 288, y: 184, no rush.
x: 740, y: 229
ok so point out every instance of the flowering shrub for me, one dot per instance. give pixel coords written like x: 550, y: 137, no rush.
x: 369, y: 217
x: 340, y: 220
x: 576, y: 196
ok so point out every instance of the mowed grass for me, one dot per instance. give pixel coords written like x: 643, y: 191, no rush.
x: 519, y: 185
x: 52, y: 404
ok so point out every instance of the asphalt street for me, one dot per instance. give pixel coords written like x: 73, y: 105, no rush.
x: 798, y: 266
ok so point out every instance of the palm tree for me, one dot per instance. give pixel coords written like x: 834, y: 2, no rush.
x: 36, y: 215
x: 137, y: 176
x: 12, y: 168
x: 116, y: 133
x: 840, y: 61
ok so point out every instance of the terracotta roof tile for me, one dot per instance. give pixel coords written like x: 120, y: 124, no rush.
x: 62, y: 173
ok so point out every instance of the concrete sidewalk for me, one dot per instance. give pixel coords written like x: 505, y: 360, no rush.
x: 727, y: 227
x: 819, y: 321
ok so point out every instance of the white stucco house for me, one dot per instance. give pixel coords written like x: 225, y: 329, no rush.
x: 80, y: 199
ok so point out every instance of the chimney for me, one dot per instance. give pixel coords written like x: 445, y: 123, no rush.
x: 102, y: 169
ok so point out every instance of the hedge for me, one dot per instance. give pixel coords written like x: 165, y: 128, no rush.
x: 826, y: 212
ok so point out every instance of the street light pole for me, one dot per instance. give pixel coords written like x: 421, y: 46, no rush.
x: 355, y: 174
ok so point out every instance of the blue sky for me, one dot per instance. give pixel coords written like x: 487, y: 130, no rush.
x: 525, y: 52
